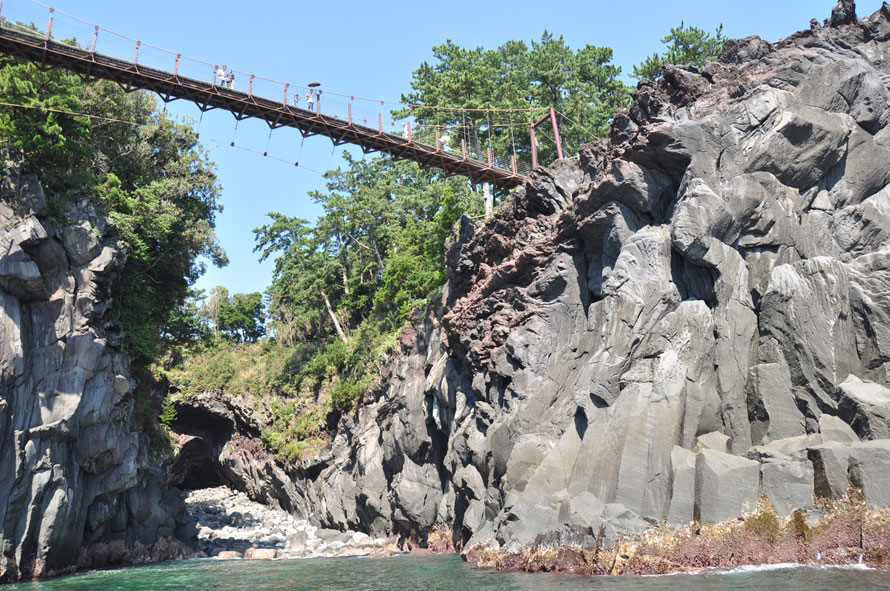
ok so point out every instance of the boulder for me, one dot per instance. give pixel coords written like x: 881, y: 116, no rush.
x: 833, y: 428
x: 789, y: 485
x: 865, y: 406
x: 682, y: 509
x: 725, y: 486
x: 830, y: 461
x: 870, y: 470
x: 260, y: 553
x: 714, y: 441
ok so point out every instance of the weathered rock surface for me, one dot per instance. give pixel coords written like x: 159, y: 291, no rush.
x: 76, y: 485
x: 711, y: 283
x: 692, y: 316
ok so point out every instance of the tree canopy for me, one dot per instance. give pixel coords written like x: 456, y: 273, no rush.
x: 479, y: 84
x: 686, y: 46
x: 378, y: 246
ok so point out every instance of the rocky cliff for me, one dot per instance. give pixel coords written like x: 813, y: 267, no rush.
x: 74, y: 475
x: 690, y: 315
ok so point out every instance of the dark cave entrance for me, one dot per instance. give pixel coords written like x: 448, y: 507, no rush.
x: 197, y: 463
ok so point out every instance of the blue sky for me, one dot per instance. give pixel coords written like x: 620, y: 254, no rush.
x: 366, y: 49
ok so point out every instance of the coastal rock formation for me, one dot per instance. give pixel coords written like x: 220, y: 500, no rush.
x: 74, y: 473
x: 692, y: 315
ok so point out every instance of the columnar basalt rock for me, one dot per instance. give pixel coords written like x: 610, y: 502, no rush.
x: 693, y: 317
x: 74, y: 472
x: 690, y: 317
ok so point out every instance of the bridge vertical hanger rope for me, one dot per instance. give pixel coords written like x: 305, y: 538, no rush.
x: 234, y: 133
x: 488, y: 117
x: 513, y: 142
x: 300, y: 151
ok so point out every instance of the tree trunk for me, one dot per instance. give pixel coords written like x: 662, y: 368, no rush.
x: 377, y: 253
x: 327, y: 304
x: 345, y: 281
x: 489, y: 204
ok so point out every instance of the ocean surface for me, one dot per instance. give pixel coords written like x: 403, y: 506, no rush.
x: 435, y: 573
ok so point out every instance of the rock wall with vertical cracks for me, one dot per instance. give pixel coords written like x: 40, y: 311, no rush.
x: 76, y: 485
x: 692, y: 314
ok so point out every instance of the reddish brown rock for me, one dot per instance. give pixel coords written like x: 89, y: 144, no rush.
x: 261, y: 553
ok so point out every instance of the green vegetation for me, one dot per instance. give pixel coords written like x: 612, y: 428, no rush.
x: 168, y: 412
x: 582, y: 84
x: 765, y: 522
x: 151, y: 180
x: 687, y: 46
x: 142, y: 171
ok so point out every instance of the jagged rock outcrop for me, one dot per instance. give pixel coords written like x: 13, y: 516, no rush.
x: 690, y: 316
x: 74, y: 472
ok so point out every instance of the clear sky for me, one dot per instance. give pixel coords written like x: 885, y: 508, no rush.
x: 367, y: 49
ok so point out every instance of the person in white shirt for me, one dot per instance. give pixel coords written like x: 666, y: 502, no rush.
x: 221, y: 76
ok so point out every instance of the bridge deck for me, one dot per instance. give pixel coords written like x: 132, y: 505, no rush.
x: 171, y: 86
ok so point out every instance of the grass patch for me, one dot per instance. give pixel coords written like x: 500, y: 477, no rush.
x: 296, y: 388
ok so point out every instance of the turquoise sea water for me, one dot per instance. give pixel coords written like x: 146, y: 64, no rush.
x: 432, y: 573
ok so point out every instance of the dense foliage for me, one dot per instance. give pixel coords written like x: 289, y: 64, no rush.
x: 583, y: 85
x: 377, y: 250
x: 686, y: 46
x: 240, y: 317
x: 146, y: 173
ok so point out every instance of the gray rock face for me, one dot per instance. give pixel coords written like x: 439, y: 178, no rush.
x: 74, y: 471
x: 697, y: 315
x: 726, y: 486
x: 870, y: 470
x: 865, y: 405
x: 788, y: 485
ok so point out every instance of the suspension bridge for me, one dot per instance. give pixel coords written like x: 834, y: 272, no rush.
x: 200, y: 82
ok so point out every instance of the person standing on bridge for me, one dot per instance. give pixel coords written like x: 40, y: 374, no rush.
x: 310, y: 98
x: 230, y: 79
x: 221, y: 76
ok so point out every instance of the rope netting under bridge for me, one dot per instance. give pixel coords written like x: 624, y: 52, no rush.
x: 486, y: 145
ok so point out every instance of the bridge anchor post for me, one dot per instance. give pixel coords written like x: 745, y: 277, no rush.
x: 49, y: 27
